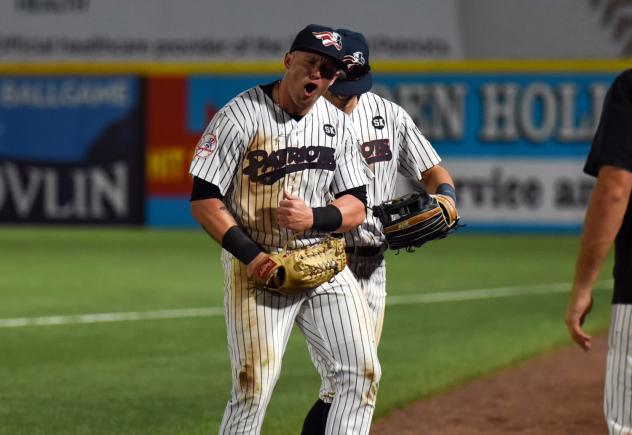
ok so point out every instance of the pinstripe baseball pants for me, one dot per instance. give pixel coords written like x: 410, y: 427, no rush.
x: 618, y: 388
x: 370, y: 272
x: 340, y: 331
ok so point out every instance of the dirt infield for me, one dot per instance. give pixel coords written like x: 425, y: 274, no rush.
x: 555, y: 394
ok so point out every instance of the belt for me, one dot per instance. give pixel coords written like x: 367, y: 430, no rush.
x: 365, y: 251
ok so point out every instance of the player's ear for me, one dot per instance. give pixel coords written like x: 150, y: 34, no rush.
x: 287, y: 59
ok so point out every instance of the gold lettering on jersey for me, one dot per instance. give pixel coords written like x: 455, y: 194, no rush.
x: 268, y: 168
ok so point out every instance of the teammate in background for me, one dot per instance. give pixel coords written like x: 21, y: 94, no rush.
x: 609, y: 218
x: 265, y: 170
x: 390, y: 142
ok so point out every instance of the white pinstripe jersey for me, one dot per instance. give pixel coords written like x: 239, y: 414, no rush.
x: 253, y: 150
x: 390, y: 142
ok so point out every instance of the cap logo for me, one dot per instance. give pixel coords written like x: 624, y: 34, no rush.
x: 329, y: 38
x: 354, y: 60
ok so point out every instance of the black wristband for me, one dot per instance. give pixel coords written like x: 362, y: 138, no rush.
x: 327, y: 219
x: 447, y: 190
x: 240, y: 245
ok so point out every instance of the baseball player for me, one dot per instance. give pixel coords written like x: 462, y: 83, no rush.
x: 390, y: 142
x: 278, y: 167
x: 609, y: 219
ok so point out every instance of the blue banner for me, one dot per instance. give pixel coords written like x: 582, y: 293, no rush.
x: 71, y: 150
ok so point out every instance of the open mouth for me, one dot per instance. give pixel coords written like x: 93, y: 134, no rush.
x: 309, y: 88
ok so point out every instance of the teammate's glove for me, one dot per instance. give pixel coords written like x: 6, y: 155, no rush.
x: 416, y: 218
x: 299, y: 270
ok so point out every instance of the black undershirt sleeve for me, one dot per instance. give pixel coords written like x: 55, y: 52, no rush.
x: 359, y: 192
x: 202, y: 189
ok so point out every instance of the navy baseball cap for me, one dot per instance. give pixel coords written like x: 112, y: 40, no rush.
x: 357, y: 78
x: 322, y: 40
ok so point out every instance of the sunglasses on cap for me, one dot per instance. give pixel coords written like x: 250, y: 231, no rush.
x: 354, y: 73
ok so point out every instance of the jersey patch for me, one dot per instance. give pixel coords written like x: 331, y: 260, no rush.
x: 378, y: 122
x: 329, y: 130
x: 267, y: 168
x: 376, y: 151
x: 206, y: 146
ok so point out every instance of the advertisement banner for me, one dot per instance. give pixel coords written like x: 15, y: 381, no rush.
x: 514, y: 142
x: 502, y: 114
x: 521, y: 193
x: 71, y: 150
x: 203, y: 31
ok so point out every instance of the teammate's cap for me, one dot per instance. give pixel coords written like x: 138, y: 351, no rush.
x: 320, y: 39
x: 357, y: 78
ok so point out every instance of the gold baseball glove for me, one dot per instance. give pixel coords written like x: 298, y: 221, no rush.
x: 299, y: 270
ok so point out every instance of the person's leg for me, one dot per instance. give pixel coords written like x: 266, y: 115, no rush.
x: 316, y: 419
x: 618, y: 383
x: 258, y: 325
x: 342, y: 333
x: 370, y: 273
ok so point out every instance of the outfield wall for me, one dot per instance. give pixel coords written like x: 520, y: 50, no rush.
x: 514, y: 135
x: 72, y: 149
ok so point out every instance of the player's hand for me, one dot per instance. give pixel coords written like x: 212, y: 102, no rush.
x: 263, y: 270
x: 578, y: 308
x: 256, y: 262
x: 294, y: 214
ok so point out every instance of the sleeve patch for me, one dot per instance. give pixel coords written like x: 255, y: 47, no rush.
x: 206, y: 146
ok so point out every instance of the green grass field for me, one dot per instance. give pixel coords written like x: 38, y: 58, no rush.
x: 171, y: 376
